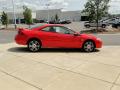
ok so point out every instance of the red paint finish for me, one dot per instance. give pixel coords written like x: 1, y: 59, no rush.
x: 51, y: 39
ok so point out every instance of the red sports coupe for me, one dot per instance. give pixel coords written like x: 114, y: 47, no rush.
x: 56, y: 36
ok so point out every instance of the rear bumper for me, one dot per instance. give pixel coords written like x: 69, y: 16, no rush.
x: 21, y: 39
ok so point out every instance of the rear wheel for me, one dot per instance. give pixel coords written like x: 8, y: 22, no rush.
x: 88, y: 46
x: 34, y: 45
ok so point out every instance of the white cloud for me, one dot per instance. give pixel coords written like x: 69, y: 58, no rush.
x: 57, y: 1
x: 33, y: 4
x: 114, y: 6
x: 65, y: 4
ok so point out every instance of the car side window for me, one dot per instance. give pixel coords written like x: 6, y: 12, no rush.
x: 47, y: 29
x: 63, y: 30
x: 58, y: 29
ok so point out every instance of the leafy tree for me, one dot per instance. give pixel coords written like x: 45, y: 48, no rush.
x: 27, y: 15
x: 4, y: 19
x: 96, y: 9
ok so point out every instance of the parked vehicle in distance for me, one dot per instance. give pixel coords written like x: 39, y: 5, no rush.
x: 56, y: 36
x: 110, y: 21
x: 54, y: 22
x: 59, y: 22
x: 65, y: 22
x: 94, y: 24
x: 41, y: 21
x: 116, y: 25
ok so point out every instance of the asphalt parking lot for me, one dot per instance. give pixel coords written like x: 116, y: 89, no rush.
x: 59, y: 69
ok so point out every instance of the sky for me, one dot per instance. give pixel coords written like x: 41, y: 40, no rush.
x: 65, y: 5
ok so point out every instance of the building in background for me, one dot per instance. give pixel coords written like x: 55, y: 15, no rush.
x: 43, y: 14
x: 63, y: 15
x: 71, y: 15
x: 19, y: 17
x: 75, y: 16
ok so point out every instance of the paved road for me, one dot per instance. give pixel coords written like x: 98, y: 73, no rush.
x: 7, y: 36
x: 51, y: 70
x: 108, y: 39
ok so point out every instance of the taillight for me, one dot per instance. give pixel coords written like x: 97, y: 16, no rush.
x: 20, y: 31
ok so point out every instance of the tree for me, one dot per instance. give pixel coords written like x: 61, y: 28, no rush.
x: 96, y: 9
x: 56, y: 18
x: 27, y: 15
x: 4, y: 19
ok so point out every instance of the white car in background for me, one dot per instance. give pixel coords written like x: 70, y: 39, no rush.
x: 94, y: 24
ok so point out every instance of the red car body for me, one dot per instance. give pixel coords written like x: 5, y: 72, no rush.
x: 54, y: 39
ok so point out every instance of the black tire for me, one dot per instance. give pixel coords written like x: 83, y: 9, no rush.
x: 34, y: 45
x: 103, y: 26
x: 88, y: 46
x: 87, y: 26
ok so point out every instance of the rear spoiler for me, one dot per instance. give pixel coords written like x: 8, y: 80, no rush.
x: 20, y: 29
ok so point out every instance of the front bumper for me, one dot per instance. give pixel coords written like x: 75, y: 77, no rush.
x: 99, y: 43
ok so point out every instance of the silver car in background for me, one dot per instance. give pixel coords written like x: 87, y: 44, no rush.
x: 94, y: 24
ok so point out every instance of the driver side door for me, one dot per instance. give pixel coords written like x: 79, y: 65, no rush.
x: 67, y: 39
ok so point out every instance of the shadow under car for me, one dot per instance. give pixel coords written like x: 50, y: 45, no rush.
x: 48, y: 50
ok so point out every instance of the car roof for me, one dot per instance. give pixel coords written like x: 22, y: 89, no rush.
x: 47, y: 25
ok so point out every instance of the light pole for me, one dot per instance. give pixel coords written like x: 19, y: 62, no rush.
x: 48, y: 17
x: 14, y: 14
x: 97, y: 3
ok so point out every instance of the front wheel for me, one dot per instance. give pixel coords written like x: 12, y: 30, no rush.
x: 88, y: 46
x: 34, y: 45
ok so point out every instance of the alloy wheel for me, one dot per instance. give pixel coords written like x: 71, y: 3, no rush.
x: 34, y: 45
x: 89, y: 46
